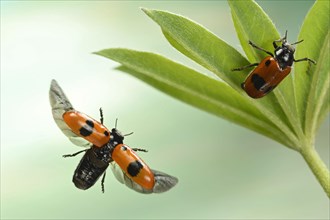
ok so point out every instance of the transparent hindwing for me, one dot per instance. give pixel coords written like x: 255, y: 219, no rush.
x: 163, y: 181
x: 60, y: 104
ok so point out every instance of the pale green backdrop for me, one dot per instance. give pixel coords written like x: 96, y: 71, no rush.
x: 225, y: 171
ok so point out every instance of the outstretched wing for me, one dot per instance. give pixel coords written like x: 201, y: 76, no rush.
x: 60, y: 104
x: 163, y: 181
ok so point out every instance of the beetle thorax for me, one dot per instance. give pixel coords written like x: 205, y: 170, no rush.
x: 284, y: 55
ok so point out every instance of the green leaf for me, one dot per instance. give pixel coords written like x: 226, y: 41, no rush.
x: 312, y: 81
x: 304, y: 93
x: 195, y: 89
x: 312, y: 85
x: 208, y: 50
x: 252, y: 23
x: 201, y: 45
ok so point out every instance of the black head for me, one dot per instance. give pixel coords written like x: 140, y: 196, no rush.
x: 117, y: 137
x: 284, y: 53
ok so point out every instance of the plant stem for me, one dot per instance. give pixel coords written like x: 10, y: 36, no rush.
x: 318, y: 167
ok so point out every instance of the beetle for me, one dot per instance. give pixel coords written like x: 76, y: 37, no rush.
x: 104, y: 147
x: 272, y: 69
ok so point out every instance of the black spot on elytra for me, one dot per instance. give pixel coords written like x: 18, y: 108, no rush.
x: 134, y: 168
x: 87, y: 129
x: 106, y: 133
x: 90, y: 123
x: 267, y: 63
x: 257, y: 81
x: 123, y: 148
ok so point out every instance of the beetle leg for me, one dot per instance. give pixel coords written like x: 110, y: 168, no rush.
x: 75, y: 154
x: 102, y: 182
x: 244, y: 67
x: 259, y: 48
x: 305, y: 59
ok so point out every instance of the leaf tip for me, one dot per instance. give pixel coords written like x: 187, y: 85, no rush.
x: 97, y: 52
x: 145, y: 10
x: 104, y: 52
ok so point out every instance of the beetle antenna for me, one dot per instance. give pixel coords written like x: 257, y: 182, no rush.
x: 286, y: 34
x: 140, y: 149
x: 116, y: 128
x: 128, y: 134
x: 101, y: 115
x: 116, y: 123
x: 297, y: 42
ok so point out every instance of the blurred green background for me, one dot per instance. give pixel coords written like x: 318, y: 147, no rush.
x: 225, y: 171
